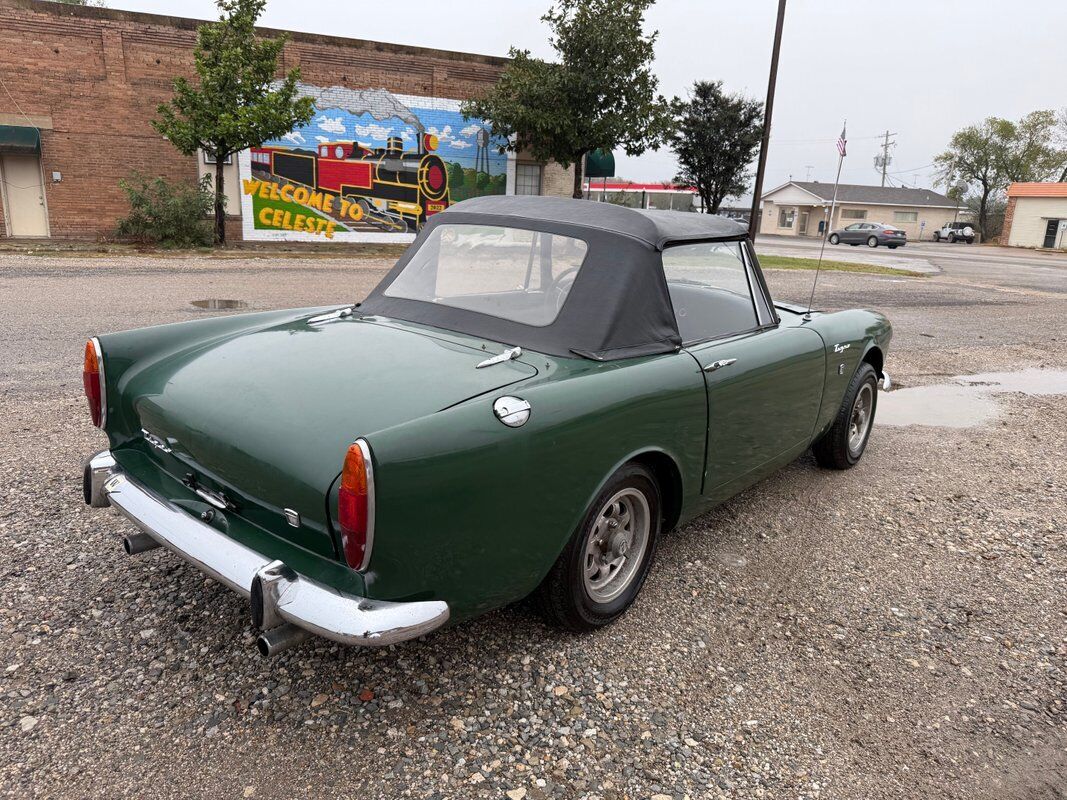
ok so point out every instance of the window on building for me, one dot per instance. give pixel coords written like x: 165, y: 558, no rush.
x: 853, y: 213
x: 905, y: 216
x: 527, y: 179
x: 210, y: 159
x: 786, y: 217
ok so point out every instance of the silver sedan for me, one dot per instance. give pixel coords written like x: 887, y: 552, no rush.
x: 871, y: 234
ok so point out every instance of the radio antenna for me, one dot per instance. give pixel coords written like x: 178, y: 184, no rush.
x: 841, y: 142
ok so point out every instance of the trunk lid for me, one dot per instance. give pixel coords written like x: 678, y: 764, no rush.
x: 266, y: 417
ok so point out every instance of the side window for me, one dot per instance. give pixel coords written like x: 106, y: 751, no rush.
x: 710, y: 290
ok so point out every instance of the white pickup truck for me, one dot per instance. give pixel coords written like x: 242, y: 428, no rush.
x: 955, y: 232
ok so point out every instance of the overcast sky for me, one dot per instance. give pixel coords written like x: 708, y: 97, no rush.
x: 919, y: 68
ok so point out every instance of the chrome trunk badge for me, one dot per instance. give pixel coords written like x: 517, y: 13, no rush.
x: 155, y: 441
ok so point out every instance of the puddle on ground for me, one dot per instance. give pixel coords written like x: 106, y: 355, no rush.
x: 217, y: 304
x: 967, y: 401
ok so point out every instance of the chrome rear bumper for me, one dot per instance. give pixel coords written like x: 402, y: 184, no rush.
x: 279, y: 596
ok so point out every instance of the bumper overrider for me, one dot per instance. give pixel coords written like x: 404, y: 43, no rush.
x: 286, y: 606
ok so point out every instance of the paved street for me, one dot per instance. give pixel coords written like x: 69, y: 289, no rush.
x: 1003, y: 267
x: 895, y: 631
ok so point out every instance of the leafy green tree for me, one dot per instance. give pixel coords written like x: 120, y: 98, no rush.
x: 455, y: 175
x: 996, y: 152
x: 1029, y: 151
x: 974, y: 155
x: 236, y: 103
x: 715, y: 137
x: 600, y: 94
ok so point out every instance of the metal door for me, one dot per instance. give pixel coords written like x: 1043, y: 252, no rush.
x: 23, y: 195
x: 1050, y: 233
x: 762, y: 402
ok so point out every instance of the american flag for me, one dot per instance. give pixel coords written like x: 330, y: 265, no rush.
x: 841, y: 142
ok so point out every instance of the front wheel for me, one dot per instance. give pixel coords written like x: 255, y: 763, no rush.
x: 937, y: 236
x: 872, y: 241
x: 843, y: 445
x: 835, y: 239
x: 602, y: 568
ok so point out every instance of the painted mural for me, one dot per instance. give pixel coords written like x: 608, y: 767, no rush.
x: 371, y: 165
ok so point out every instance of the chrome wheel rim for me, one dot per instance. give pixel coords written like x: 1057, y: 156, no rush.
x: 860, y: 420
x: 616, y: 546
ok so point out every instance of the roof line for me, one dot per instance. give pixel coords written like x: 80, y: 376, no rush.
x: 791, y: 183
x: 191, y: 24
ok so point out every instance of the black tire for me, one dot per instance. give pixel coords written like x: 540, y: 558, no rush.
x: 833, y: 450
x: 835, y: 239
x: 892, y: 247
x: 970, y: 241
x: 872, y: 241
x: 952, y: 238
x: 564, y: 599
x: 937, y: 236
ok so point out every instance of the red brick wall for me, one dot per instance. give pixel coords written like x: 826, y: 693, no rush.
x: 101, y: 73
x: 1009, y: 217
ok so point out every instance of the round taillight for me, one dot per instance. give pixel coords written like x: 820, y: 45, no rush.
x: 93, y: 381
x: 355, y: 505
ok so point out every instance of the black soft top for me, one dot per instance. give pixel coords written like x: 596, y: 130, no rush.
x: 657, y: 228
x: 618, y: 307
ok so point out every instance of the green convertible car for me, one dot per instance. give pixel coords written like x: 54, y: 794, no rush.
x: 533, y: 394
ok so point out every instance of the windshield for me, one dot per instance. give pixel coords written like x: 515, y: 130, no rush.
x: 511, y: 273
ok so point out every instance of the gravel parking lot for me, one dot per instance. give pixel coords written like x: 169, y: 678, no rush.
x: 896, y: 631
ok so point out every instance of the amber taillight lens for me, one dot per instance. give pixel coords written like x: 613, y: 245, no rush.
x: 93, y: 381
x: 355, y: 506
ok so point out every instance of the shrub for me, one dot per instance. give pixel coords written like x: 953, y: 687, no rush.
x: 165, y: 213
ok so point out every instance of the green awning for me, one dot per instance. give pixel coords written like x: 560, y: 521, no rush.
x: 600, y: 164
x: 19, y: 139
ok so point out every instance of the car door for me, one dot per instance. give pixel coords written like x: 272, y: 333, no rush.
x: 763, y: 379
x: 851, y: 233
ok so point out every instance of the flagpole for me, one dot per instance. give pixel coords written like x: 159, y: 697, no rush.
x: 829, y: 224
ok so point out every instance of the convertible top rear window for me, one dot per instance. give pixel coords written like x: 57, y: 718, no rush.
x: 515, y: 274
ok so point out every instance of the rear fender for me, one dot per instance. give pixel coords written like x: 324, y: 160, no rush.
x: 473, y: 512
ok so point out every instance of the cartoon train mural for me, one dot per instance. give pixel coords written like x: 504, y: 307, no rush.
x: 397, y: 189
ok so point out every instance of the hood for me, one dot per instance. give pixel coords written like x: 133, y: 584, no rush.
x: 267, y: 415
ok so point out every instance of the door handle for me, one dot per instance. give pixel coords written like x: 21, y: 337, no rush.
x: 723, y: 362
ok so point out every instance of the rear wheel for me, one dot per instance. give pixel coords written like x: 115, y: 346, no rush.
x: 602, y: 568
x: 843, y: 445
x: 835, y: 239
x: 872, y: 241
x: 952, y: 238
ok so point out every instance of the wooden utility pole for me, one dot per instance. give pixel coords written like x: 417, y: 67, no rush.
x: 768, y: 108
x: 884, y: 159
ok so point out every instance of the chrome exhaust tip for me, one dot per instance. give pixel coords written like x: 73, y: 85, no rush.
x: 135, y: 543
x: 274, y: 641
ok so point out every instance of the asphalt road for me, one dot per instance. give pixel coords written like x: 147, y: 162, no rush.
x: 895, y: 631
x: 1004, y: 267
